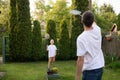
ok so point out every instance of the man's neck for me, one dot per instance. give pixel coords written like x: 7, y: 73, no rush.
x: 87, y: 28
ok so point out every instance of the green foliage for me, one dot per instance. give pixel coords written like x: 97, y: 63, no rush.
x: 106, y: 8
x: 109, y: 58
x: 13, y: 30
x: 4, y: 9
x: 3, y: 13
x: 80, y: 5
x: 23, y: 31
x: 58, y: 12
x: 77, y: 28
x: 51, y: 30
x: 36, y: 41
x: 40, y: 9
x: 101, y: 21
x: 64, y: 44
x: 114, y: 65
x: 44, y: 51
x: 105, y: 16
x: 118, y: 21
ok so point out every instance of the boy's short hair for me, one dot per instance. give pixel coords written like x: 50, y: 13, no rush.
x: 88, y: 18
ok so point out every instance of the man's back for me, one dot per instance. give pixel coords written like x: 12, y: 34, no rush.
x: 90, y: 60
x: 91, y: 41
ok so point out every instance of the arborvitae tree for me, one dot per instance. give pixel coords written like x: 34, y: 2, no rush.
x: 13, y: 31
x: 81, y: 5
x: 24, y: 31
x: 118, y: 21
x: 36, y: 41
x: 51, y: 30
x: 64, y: 42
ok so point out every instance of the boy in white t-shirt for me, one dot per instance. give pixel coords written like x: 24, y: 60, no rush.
x: 90, y: 60
x: 51, y: 53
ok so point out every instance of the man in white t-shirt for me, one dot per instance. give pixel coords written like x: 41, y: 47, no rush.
x: 51, y: 53
x: 90, y: 60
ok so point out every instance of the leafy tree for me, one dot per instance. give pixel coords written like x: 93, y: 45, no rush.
x: 3, y: 14
x: 39, y: 13
x: 13, y: 30
x: 105, y: 25
x: 95, y: 8
x: 105, y: 16
x: 36, y: 41
x: 24, y: 31
x: 58, y: 12
x: 106, y: 8
x: 4, y: 9
x: 77, y: 28
x: 40, y: 9
x: 118, y: 21
x: 51, y: 30
x: 64, y: 42
x: 108, y: 12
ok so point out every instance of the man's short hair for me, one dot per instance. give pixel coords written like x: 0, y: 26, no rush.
x: 88, y: 18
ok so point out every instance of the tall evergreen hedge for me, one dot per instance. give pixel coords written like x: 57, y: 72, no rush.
x: 81, y: 5
x: 64, y: 42
x: 51, y: 30
x: 36, y: 41
x: 24, y: 31
x: 13, y: 31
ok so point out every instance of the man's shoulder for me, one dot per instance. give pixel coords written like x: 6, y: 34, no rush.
x: 82, y: 35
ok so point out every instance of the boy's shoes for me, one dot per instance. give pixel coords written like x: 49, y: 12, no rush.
x: 49, y: 70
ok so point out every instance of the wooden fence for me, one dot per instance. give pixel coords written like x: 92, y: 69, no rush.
x: 111, y: 46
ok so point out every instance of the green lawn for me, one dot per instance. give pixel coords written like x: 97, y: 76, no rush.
x: 37, y: 71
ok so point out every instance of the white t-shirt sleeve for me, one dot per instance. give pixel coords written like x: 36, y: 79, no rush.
x: 55, y: 48
x: 81, y: 50
x: 48, y: 48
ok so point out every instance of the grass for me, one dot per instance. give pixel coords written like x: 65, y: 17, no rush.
x: 37, y: 71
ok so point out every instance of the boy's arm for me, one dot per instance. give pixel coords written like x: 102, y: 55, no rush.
x: 55, y: 52
x: 79, y: 67
x: 47, y: 47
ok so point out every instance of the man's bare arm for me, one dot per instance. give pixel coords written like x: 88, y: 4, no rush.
x: 79, y: 67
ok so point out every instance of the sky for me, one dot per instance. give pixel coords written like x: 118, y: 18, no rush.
x: 114, y: 3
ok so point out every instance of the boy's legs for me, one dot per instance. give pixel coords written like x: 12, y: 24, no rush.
x: 93, y: 74
x: 49, y: 62
x: 53, y: 61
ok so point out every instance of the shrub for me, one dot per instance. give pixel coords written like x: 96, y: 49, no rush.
x: 23, y: 35
x: 13, y: 30
x: 114, y: 65
x: 109, y: 58
x: 36, y: 41
x: 81, y: 5
x: 64, y: 44
x: 51, y: 30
